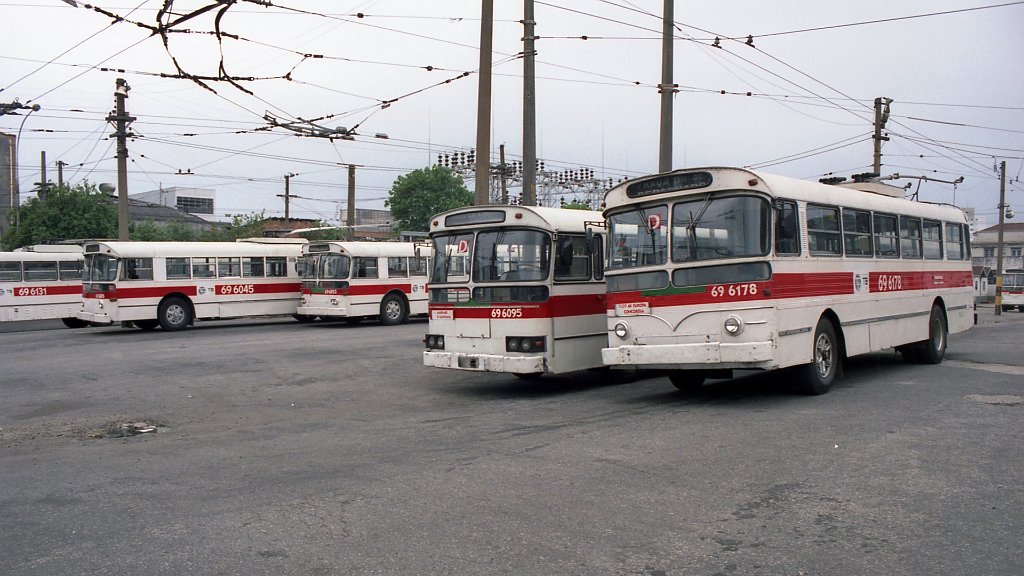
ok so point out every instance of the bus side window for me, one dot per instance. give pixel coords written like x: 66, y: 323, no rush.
x: 40, y: 271
x: 787, y: 228
x: 571, y: 262
x: 70, y: 270
x: 597, y: 258
x: 910, y: 237
x: 138, y: 269
x: 398, y: 267
x: 823, y: 231
x: 10, y: 271
x: 365, y: 268
x: 277, y: 267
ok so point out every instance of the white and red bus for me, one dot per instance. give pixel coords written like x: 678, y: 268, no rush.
x: 516, y: 289
x: 356, y: 280
x: 42, y: 282
x: 171, y: 284
x: 715, y: 269
x: 1013, y: 290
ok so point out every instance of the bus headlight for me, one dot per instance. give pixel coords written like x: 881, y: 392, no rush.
x: 734, y: 325
x: 622, y: 330
x: 434, y: 342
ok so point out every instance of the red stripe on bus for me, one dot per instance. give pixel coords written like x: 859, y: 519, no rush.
x: 360, y: 290
x: 798, y: 285
x: 240, y: 289
x: 555, y: 307
x: 34, y: 290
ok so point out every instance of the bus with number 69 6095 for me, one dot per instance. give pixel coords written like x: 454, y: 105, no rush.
x: 516, y: 289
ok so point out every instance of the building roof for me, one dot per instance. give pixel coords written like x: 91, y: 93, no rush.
x: 1007, y: 227
x: 140, y: 211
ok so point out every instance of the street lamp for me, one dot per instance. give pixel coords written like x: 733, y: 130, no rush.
x: 17, y: 184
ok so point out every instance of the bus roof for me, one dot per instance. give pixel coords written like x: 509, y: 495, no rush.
x: 367, y: 249
x: 51, y: 248
x: 26, y: 256
x: 726, y: 178
x: 196, y: 249
x: 496, y: 216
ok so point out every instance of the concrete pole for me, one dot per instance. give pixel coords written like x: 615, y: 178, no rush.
x: 350, y: 217
x: 502, y: 174
x: 666, y: 88
x: 482, y: 178
x: 60, y: 173
x: 121, y: 119
x: 529, y: 109
x: 287, y: 196
x: 999, y: 248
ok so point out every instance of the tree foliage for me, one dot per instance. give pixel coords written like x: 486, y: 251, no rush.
x: 417, y: 196
x: 65, y: 212
x: 577, y: 205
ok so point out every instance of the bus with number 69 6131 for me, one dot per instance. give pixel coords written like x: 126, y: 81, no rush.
x: 42, y: 282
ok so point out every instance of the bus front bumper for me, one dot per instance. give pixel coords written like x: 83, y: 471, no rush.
x: 323, y: 311
x: 700, y: 355
x: 101, y: 318
x: 485, y: 362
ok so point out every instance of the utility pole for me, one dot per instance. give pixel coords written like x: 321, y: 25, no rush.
x: 503, y: 173
x: 881, y: 117
x: 287, y: 195
x: 44, y: 186
x: 482, y: 179
x: 667, y: 89
x: 60, y: 173
x: 121, y: 119
x: 529, y: 111
x: 999, y: 249
x: 350, y: 217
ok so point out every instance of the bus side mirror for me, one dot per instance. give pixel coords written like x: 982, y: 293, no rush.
x: 590, y: 240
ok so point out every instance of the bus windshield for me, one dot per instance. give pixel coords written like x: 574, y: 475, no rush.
x: 100, y: 268
x: 716, y: 227
x: 450, y: 254
x: 511, y: 256
x: 638, y: 237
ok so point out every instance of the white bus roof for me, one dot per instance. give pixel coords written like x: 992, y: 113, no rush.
x: 51, y: 248
x: 367, y: 249
x: 25, y: 256
x: 196, y: 249
x: 555, y: 219
x: 725, y: 178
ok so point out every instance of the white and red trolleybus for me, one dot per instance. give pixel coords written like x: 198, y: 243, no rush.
x: 713, y: 269
x: 42, y: 282
x: 356, y: 280
x: 1013, y: 291
x: 170, y: 284
x: 515, y: 289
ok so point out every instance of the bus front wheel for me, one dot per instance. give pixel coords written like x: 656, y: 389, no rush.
x: 74, y: 322
x: 687, y: 380
x: 817, y: 377
x: 174, y: 314
x: 393, y: 310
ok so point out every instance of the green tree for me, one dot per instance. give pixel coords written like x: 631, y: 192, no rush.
x: 577, y: 205
x: 65, y: 212
x: 417, y: 196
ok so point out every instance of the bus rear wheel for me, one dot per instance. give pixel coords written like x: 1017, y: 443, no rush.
x: 174, y: 314
x: 688, y: 380
x: 393, y: 310
x: 817, y: 377
x: 933, y: 350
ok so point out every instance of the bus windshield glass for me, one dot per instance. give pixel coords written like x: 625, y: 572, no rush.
x: 100, y: 268
x: 334, y: 266
x: 451, y: 251
x: 638, y: 237
x: 714, y: 227
x: 511, y: 256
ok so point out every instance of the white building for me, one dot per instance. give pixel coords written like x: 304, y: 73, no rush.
x: 200, y: 202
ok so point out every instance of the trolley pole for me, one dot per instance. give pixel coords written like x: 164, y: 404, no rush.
x: 121, y: 121
x: 482, y: 179
x: 999, y: 249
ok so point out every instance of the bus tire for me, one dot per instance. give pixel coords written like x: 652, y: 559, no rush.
x: 174, y: 314
x: 688, y: 380
x: 147, y: 325
x: 74, y: 322
x: 817, y: 377
x: 393, y: 310
x: 933, y: 350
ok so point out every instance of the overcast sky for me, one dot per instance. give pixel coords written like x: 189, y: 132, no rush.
x: 953, y: 68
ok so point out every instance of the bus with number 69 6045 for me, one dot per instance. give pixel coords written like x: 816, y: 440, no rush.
x: 172, y: 284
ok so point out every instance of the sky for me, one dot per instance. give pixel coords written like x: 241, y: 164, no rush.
x: 402, y: 75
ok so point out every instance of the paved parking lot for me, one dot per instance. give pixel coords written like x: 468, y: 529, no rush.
x: 283, y: 448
